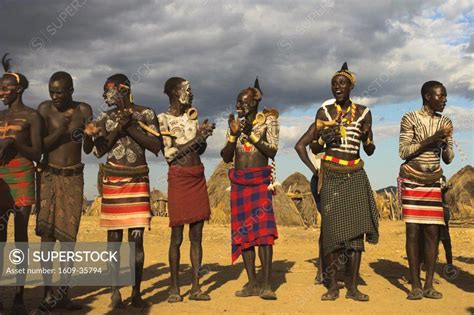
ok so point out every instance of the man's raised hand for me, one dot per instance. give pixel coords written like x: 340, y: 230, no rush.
x: 234, y: 126
x: 206, y: 128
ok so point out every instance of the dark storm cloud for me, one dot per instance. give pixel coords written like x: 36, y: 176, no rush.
x: 293, y: 47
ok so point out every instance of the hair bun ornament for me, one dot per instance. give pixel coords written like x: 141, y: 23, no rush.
x: 7, y: 67
x: 257, y: 90
x: 347, y: 73
x: 344, y: 67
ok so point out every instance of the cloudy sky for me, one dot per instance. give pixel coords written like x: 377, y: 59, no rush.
x: 293, y: 46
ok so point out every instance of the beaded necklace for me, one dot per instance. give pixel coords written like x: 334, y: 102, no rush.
x: 345, y: 122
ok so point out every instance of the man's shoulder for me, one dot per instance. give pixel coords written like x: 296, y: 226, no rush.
x: 362, y: 110
x: 328, y: 102
x: 326, y: 106
x: 45, y: 106
x: 410, y: 115
x: 361, y: 107
x: 83, y: 106
x: 163, y: 115
x: 105, y: 114
x: 445, y: 119
x: 142, y: 108
x: 323, y: 111
x: 32, y: 113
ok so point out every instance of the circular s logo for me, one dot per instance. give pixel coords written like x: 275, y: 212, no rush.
x: 16, y: 256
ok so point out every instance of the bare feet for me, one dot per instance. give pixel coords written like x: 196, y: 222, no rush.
x: 116, y: 302
x: 268, y: 294
x: 138, y: 302
x: 67, y: 304
x: 248, y: 290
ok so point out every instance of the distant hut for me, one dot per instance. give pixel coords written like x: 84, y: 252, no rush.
x: 159, y: 203
x: 218, y: 187
x: 94, y: 208
x: 297, y: 187
x: 460, y: 194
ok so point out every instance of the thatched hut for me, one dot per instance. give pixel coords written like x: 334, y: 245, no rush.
x: 460, y: 194
x: 218, y: 188
x: 94, y: 208
x: 386, y: 201
x: 298, y: 188
x: 159, y: 203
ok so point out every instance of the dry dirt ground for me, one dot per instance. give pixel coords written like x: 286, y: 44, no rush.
x: 384, y: 272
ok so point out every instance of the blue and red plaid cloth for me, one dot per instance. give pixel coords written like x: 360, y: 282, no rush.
x: 252, y: 217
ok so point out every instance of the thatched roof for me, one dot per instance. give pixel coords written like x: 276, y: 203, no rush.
x: 94, y: 209
x: 159, y: 203
x: 298, y: 188
x: 285, y: 210
x: 460, y: 195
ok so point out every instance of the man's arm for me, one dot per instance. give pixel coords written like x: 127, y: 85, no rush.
x: 317, y: 143
x: 51, y: 140
x: 34, y: 151
x: 88, y: 143
x: 268, y: 146
x: 169, y: 151
x: 301, y: 145
x: 228, y: 151
x: 407, y: 149
x: 232, y: 135
x: 198, y: 144
x: 447, y: 150
x: 148, y: 141
x: 367, y: 135
x: 106, y: 140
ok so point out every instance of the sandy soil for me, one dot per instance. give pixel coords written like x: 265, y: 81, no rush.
x: 384, y: 272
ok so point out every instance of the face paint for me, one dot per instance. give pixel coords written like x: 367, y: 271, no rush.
x: 244, y: 103
x: 111, y: 94
x: 185, y: 96
x: 341, y: 88
x: 8, y: 89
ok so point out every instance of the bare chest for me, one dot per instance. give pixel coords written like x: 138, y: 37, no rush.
x: 14, y: 126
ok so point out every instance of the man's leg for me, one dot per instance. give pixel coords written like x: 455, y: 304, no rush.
x: 252, y: 287
x: 329, y: 273
x: 352, y: 291
x: 413, y: 251
x: 431, y: 233
x: 174, y: 256
x: 448, y: 247
x: 265, y: 253
x: 115, y: 237
x: 22, y: 216
x: 4, y: 215
x: 49, y: 302
x: 64, y: 302
x: 195, y: 237
x: 447, y: 238
x: 136, y: 236
x: 317, y: 199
